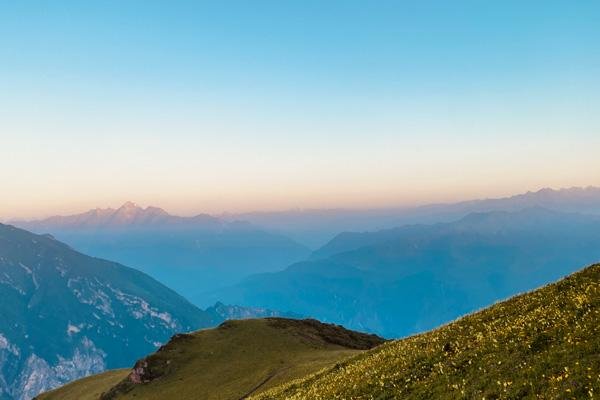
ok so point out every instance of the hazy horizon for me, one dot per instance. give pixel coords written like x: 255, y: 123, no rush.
x: 194, y: 212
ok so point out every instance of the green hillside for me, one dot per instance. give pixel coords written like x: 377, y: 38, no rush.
x: 90, y: 388
x: 232, y: 361
x: 544, y: 344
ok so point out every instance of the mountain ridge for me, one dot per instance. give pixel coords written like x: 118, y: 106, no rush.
x: 530, y: 218
x: 66, y: 315
x: 128, y: 214
x: 429, y: 274
x: 315, y: 227
x: 189, y: 254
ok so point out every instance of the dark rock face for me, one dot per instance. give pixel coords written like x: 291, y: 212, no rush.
x: 138, y: 374
x: 315, y: 330
x: 66, y: 315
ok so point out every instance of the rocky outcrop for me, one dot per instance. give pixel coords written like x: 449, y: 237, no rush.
x: 25, y: 374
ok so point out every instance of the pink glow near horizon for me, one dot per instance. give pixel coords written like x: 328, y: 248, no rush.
x: 191, y: 208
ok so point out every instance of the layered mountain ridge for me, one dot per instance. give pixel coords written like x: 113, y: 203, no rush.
x: 315, y: 227
x: 404, y: 280
x: 66, y: 315
x: 192, y: 255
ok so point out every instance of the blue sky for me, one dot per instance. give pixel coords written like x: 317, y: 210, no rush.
x: 228, y: 106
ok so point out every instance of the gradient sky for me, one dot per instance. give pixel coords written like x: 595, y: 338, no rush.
x: 254, y: 105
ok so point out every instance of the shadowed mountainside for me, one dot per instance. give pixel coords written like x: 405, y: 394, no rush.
x: 410, y: 279
x: 66, y: 315
x: 192, y: 255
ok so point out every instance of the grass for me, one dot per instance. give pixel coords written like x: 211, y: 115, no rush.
x: 540, y: 345
x: 229, y: 362
x: 89, y: 388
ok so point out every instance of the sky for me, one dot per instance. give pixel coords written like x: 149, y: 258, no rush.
x: 263, y: 105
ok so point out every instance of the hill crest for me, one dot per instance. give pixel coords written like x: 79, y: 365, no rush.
x: 232, y: 361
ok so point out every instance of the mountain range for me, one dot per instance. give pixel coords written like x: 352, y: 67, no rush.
x: 192, y: 255
x: 220, y: 312
x: 315, y: 227
x: 126, y: 216
x: 405, y: 280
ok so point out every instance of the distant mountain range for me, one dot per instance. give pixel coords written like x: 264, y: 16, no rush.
x: 128, y: 216
x: 66, y: 315
x: 222, y: 312
x: 315, y: 227
x: 405, y: 280
x: 189, y: 254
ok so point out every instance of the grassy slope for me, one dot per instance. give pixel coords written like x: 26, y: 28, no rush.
x: 89, y: 388
x: 543, y: 344
x: 229, y: 362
